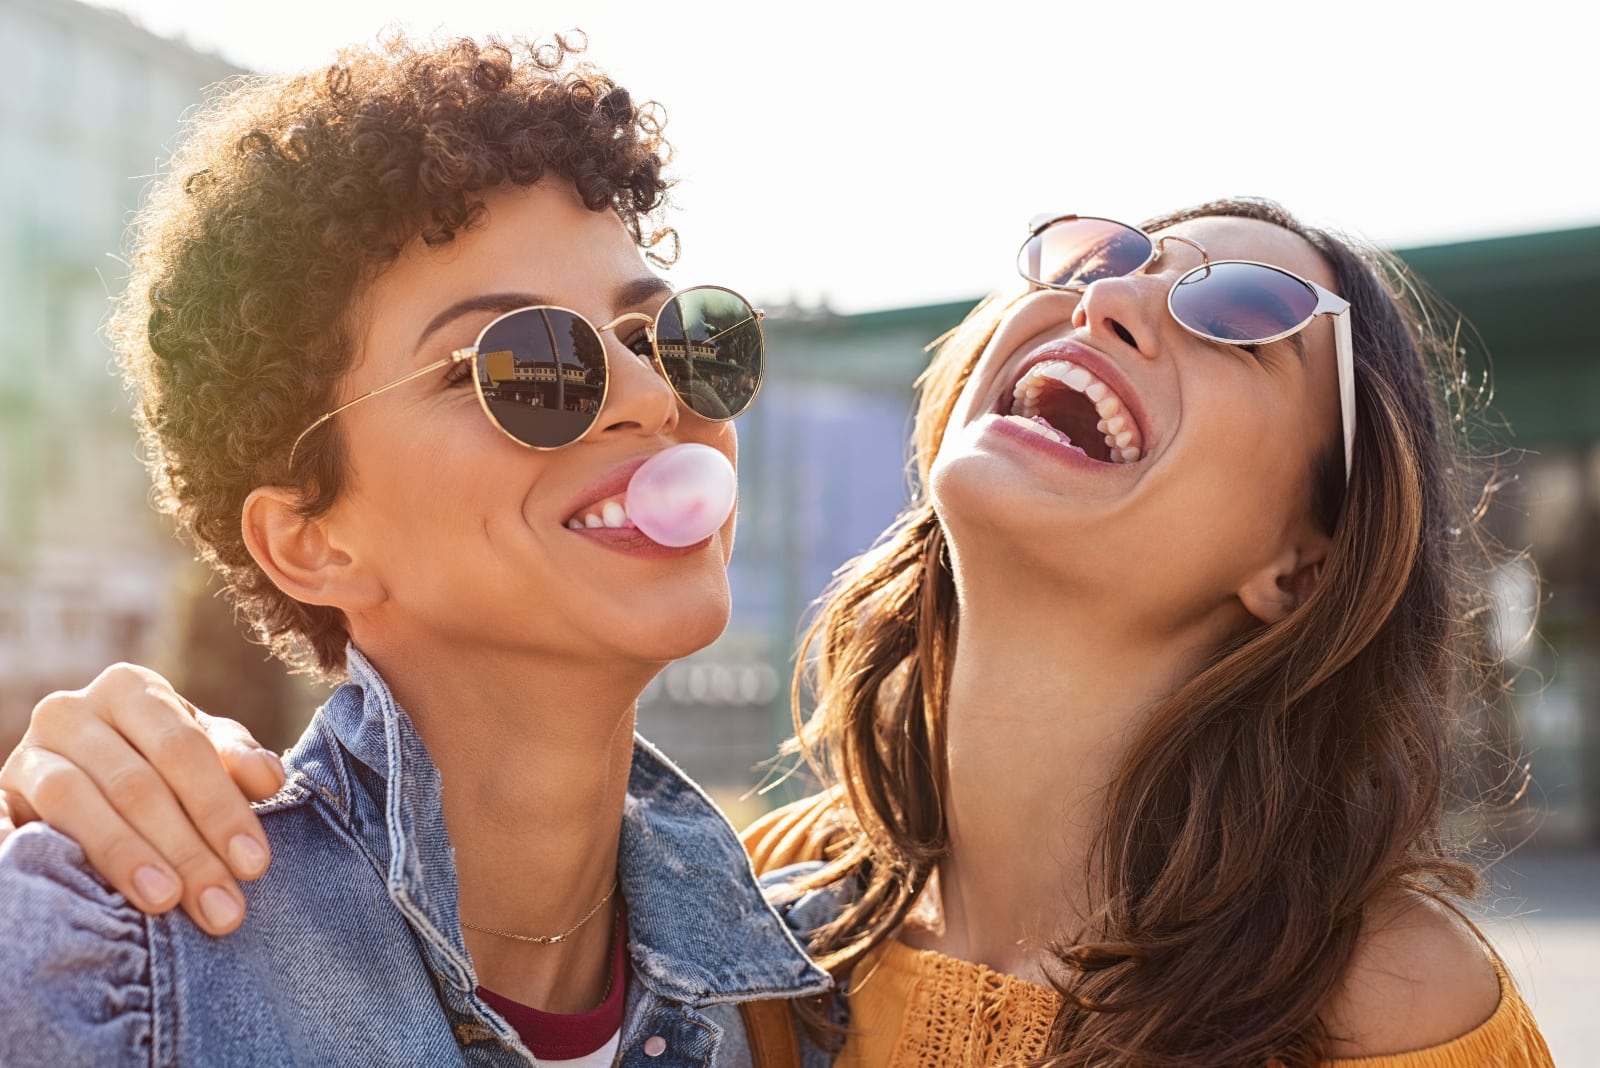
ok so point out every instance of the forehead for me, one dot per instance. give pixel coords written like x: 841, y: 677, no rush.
x: 1228, y: 238
x: 541, y: 236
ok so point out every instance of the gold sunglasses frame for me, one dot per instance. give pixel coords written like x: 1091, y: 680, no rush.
x: 1328, y: 303
x: 650, y: 324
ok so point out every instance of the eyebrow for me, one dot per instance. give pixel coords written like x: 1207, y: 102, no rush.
x: 630, y: 294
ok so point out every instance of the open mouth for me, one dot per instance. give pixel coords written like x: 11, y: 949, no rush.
x: 1066, y: 403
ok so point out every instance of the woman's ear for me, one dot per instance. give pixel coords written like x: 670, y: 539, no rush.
x: 1287, y: 580
x: 302, y: 556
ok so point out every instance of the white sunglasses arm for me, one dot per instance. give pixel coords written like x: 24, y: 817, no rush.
x: 1329, y: 303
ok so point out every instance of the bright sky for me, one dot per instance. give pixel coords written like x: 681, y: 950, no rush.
x: 878, y: 158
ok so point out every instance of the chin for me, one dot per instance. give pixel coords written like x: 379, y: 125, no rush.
x: 671, y: 625
x: 997, y: 520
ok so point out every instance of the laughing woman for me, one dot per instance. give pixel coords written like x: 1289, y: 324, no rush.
x: 1139, y: 722
x: 397, y: 354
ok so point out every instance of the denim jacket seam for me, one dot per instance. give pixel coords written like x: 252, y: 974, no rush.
x: 293, y: 792
x: 424, y: 928
x: 401, y: 847
x: 787, y: 993
x: 335, y: 756
x: 332, y: 799
x: 163, y: 992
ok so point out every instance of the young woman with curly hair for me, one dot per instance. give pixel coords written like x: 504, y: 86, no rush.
x: 397, y: 355
x: 1137, y: 726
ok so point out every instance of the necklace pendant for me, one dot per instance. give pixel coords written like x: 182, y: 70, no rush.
x: 557, y: 938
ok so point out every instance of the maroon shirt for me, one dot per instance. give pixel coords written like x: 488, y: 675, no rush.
x: 558, y: 1036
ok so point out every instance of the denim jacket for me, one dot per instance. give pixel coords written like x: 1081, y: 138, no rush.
x: 351, y: 952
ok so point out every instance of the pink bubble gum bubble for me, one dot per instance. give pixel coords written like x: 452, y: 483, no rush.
x: 682, y: 494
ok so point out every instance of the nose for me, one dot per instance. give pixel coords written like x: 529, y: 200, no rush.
x: 1130, y: 308
x: 639, y: 400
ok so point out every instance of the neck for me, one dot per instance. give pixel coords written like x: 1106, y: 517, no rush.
x: 533, y: 756
x: 1048, y: 690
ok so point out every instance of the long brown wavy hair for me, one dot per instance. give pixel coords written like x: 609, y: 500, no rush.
x: 1271, y: 800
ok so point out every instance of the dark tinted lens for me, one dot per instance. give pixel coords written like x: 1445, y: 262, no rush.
x: 1241, y: 302
x: 710, y: 345
x: 1075, y: 252
x: 543, y: 375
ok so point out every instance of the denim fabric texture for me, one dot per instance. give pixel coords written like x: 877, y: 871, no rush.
x: 351, y: 952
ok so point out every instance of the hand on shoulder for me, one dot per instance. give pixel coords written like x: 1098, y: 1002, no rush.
x: 1420, y: 977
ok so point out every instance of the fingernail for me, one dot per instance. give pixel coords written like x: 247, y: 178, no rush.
x: 219, y: 907
x: 247, y: 855
x: 153, y: 885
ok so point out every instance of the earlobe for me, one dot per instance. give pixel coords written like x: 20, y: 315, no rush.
x: 300, y: 555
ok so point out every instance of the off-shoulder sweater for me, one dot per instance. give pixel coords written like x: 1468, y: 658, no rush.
x: 912, y: 1008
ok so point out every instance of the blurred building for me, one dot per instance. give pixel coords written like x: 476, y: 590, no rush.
x: 1525, y: 297
x: 89, y: 103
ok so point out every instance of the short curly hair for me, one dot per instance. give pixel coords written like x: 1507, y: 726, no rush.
x: 291, y: 194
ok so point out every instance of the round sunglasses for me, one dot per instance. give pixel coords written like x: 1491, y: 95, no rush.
x: 1234, y: 302
x: 542, y: 377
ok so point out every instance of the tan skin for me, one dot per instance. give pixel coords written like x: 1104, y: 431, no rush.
x: 439, y: 553
x: 1066, y: 571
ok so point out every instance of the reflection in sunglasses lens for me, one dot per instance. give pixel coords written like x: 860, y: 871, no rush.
x: 1241, y: 302
x: 542, y: 372
x: 1075, y: 252
x: 711, y: 348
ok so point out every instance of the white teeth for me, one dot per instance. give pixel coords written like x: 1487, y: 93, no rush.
x: 1121, y: 435
x: 611, y: 515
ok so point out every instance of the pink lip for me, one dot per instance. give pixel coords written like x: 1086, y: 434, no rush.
x: 1102, y: 368
x: 632, y: 542
x: 994, y: 423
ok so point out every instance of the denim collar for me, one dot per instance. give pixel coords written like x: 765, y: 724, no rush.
x: 700, y: 930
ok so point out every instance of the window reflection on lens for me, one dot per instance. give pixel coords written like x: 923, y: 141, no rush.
x: 710, y: 346
x: 542, y: 375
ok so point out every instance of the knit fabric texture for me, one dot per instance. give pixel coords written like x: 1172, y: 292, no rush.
x: 912, y: 1008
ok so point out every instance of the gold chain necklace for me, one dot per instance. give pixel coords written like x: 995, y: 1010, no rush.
x: 548, y: 940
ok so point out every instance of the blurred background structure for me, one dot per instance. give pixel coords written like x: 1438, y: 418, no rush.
x: 90, y: 104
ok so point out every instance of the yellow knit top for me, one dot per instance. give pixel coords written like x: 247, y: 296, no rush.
x: 912, y: 1008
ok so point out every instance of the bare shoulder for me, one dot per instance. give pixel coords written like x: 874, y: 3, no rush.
x: 1419, y: 977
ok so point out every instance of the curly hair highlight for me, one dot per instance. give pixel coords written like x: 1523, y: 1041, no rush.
x: 290, y: 195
